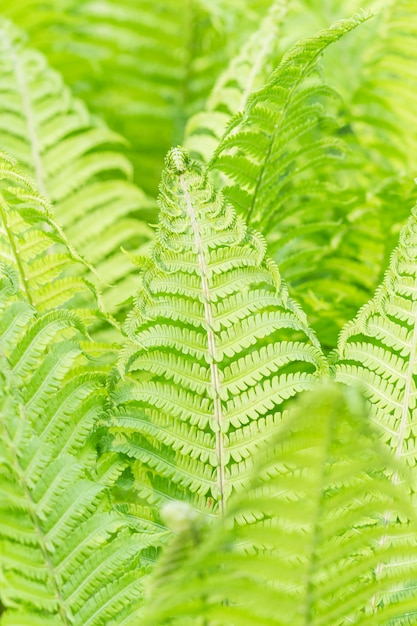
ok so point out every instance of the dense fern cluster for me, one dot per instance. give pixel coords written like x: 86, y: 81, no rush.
x: 208, y: 393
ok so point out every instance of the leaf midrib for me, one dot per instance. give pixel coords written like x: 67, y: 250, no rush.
x: 211, y: 346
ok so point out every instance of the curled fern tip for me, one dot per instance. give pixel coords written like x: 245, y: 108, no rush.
x: 178, y: 160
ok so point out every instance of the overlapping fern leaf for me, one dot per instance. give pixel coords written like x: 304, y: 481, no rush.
x: 288, y: 167
x: 246, y: 72
x: 75, y: 162
x: 256, y: 150
x: 379, y: 349
x: 144, y: 66
x: 216, y: 349
x: 303, y: 544
x: 33, y: 243
x: 65, y: 556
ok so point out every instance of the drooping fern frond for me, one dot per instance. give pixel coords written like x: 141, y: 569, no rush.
x: 245, y: 73
x: 143, y: 66
x: 216, y: 348
x: 378, y: 349
x: 75, y: 161
x: 35, y: 246
x: 303, y: 544
x: 289, y: 172
x: 265, y: 139
x: 65, y: 557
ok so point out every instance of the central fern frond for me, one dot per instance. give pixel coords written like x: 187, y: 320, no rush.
x: 216, y: 348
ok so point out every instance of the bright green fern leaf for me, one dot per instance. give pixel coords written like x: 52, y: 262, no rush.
x: 264, y: 139
x: 33, y: 243
x: 216, y: 346
x: 288, y: 168
x: 302, y: 545
x: 65, y: 557
x: 144, y: 66
x: 379, y: 349
x: 245, y: 73
x: 74, y: 161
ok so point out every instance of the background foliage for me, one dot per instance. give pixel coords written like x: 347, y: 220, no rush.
x: 208, y: 388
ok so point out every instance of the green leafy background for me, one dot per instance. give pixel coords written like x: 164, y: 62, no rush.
x: 208, y: 318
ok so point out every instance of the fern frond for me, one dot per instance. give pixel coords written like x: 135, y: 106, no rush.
x: 216, y: 345
x: 245, y: 73
x: 75, y: 161
x: 302, y: 545
x: 144, y: 67
x: 379, y: 348
x: 34, y: 245
x: 65, y: 556
x: 378, y: 87
x: 383, y: 103
x: 288, y: 169
x: 266, y: 137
